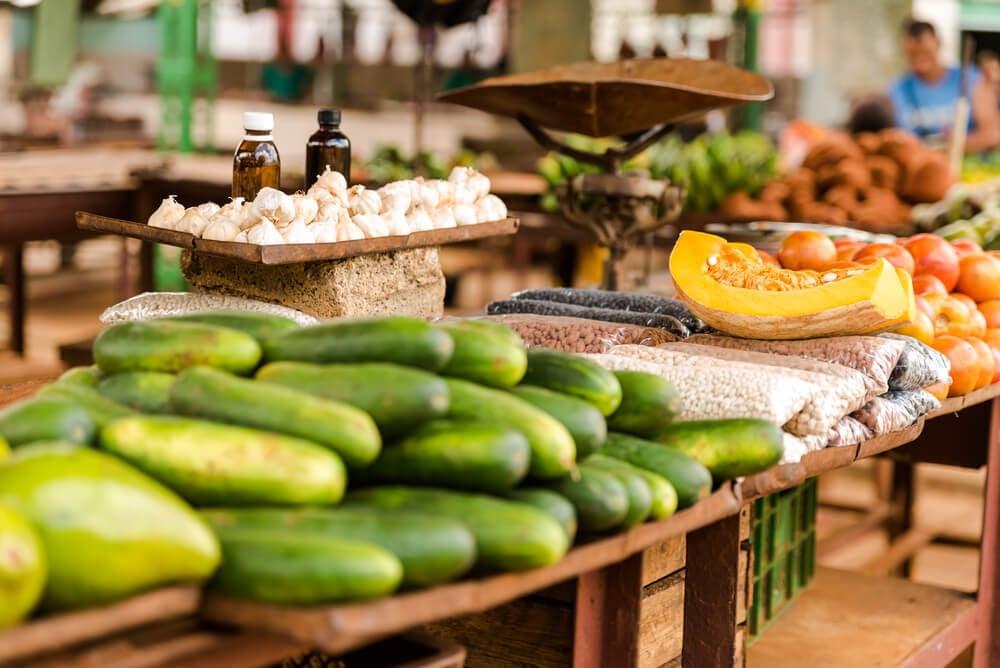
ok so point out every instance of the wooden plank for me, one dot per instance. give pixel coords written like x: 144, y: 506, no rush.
x: 848, y: 619
x: 606, y: 627
x: 338, y: 628
x: 710, y: 594
x: 663, y: 559
x: 987, y: 654
x: 526, y: 632
x: 901, y: 550
x: 872, y: 521
x: 295, y: 253
x: 956, y: 404
x: 880, y: 444
x: 661, y: 622
x: 51, y: 633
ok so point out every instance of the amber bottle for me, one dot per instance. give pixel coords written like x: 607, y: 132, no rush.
x: 328, y: 146
x: 256, y: 164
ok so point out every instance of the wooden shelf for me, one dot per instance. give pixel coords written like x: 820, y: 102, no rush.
x: 847, y: 619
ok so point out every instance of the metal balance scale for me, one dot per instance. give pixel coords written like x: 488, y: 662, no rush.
x: 642, y: 98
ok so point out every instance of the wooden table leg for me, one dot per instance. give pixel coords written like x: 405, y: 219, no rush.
x: 711, y: 588
x: 901, y: 500
x: 987, y: 649
x: 145, y: 267
x: 606, y: 630
x: 13, y: 270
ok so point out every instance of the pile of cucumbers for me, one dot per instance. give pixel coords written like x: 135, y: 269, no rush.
x: 337, y: 462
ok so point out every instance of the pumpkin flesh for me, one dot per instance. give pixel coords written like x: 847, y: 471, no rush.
x: 740, y: 297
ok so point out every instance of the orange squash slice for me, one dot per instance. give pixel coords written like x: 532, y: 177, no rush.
x: 740, y: 297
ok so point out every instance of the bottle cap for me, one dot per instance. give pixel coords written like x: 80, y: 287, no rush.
x: 329, y: 116
x: 259, y: 121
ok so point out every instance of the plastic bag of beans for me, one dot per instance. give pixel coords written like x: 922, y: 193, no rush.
x: 919, y: 365
x: 152, y: 305
x: 664, y: 322
x: 619, y: 301
x: 895, y: 410
x: 874, y: 356
x: 578, y: 335
x: 848, y: 431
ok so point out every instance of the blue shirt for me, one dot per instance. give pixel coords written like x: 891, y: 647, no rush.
x: 929, y: 109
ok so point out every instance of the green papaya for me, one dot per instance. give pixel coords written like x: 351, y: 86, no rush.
x: 109, y: 531
x: 22, y: 567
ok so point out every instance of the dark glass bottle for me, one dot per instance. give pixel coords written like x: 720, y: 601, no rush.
x: 256, y: 163
x: 328, y: 146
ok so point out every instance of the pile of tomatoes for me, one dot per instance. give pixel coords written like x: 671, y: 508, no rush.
x: 957, y: 287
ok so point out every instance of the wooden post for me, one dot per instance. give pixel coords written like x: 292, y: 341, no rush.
x: 606, y: 630
x: 901, y: 500
x: 711, y: 591
x: 987, y: 650
x: 13, y: 271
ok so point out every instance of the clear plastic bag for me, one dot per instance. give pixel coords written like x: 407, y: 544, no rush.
x: 917, y: 403
x: 795, y: 447
x: 723, y: 391
x: 664, y: 322
x: 882, y: 416
x: 919, y: 365
x: 578, y: 335
x: 152, y: 305
x: 848, y: 432
x: 619, y: 301
x: 828, y: 397
x: 874, y: 356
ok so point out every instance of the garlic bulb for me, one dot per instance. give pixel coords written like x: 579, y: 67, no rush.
x: 465, y: 214
x: 362, y: 201
x: 460, y: 174
x: 331, y: 180
x: 192, y: 222
x: 479, y: 184
x: 167, y: 215
x: 222, y: 229
x: 371, y: 224
x: 324, y: 231
x: 250, y: 215
x: 209, y: 209
x: 241, y: 237
x: 442, y: 218
x: 396, y: 196
x: 297, y: 233
x: 490, y: 208
x: 333, y: 211
x: 275, y: 205
x: 429, y: 196
x: 264, y: 233
x: 445, y: 191
x: 418, y: 220
x: 234, y: 210
x: 306, y: 208
x: 464, y: 194
x: 348, y: 231
x: 395, y: 223
x: 321, y: 195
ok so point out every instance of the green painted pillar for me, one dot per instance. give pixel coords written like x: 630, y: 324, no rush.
x: 553, y: 32
x: 54, y: 42
x: 748, y: 17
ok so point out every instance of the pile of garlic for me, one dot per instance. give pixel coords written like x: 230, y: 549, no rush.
x: 330, y: 211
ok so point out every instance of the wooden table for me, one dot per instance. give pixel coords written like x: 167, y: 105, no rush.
x: 605, y: 575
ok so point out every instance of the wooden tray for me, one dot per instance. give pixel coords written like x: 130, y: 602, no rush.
x: 294, y: 253
x: 605, y: 99
x: 55, y: 632
x: 343, y: 627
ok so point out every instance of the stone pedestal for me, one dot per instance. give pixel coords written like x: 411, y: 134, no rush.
x: 401, y: 282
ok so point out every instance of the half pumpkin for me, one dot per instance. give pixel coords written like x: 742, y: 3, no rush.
x: 740, y: 297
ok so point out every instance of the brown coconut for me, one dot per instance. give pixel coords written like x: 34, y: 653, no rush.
x: 868, y: 142
x: 832, y: 149
x: 775, y: 191
x: 885, y: 172
x: 928, y: 179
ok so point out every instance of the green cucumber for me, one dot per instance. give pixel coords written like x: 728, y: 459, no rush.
x: 583, y: 422
x: 145, y: 391
x: 649, y: 403
x: 574, y: 375
x: 169, y: 346
x: 458, y: 455
x: 727, y: 448
x: 485, y: 353
x: 690, y: 479
x: 509, y: 536
x: 395, y: 339
x: 551, y: 503
x: 600, y: 499
x: 109, y: 531
x: 553, y: 452
x: 432, y: 549
x: 640, y: 498
x: 289, y: 568
x: 260, y: 326
x: 101, y: 409
x: 214, y: 395
x: 398, y: 398
x: 664, y: 495
x: 22, y: 567
x: 209, y: 463
x: 46, y: 419
x: 88, y: 376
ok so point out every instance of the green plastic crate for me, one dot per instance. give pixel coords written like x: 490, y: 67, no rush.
x: 783, y: 539
x: 167, y: 276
